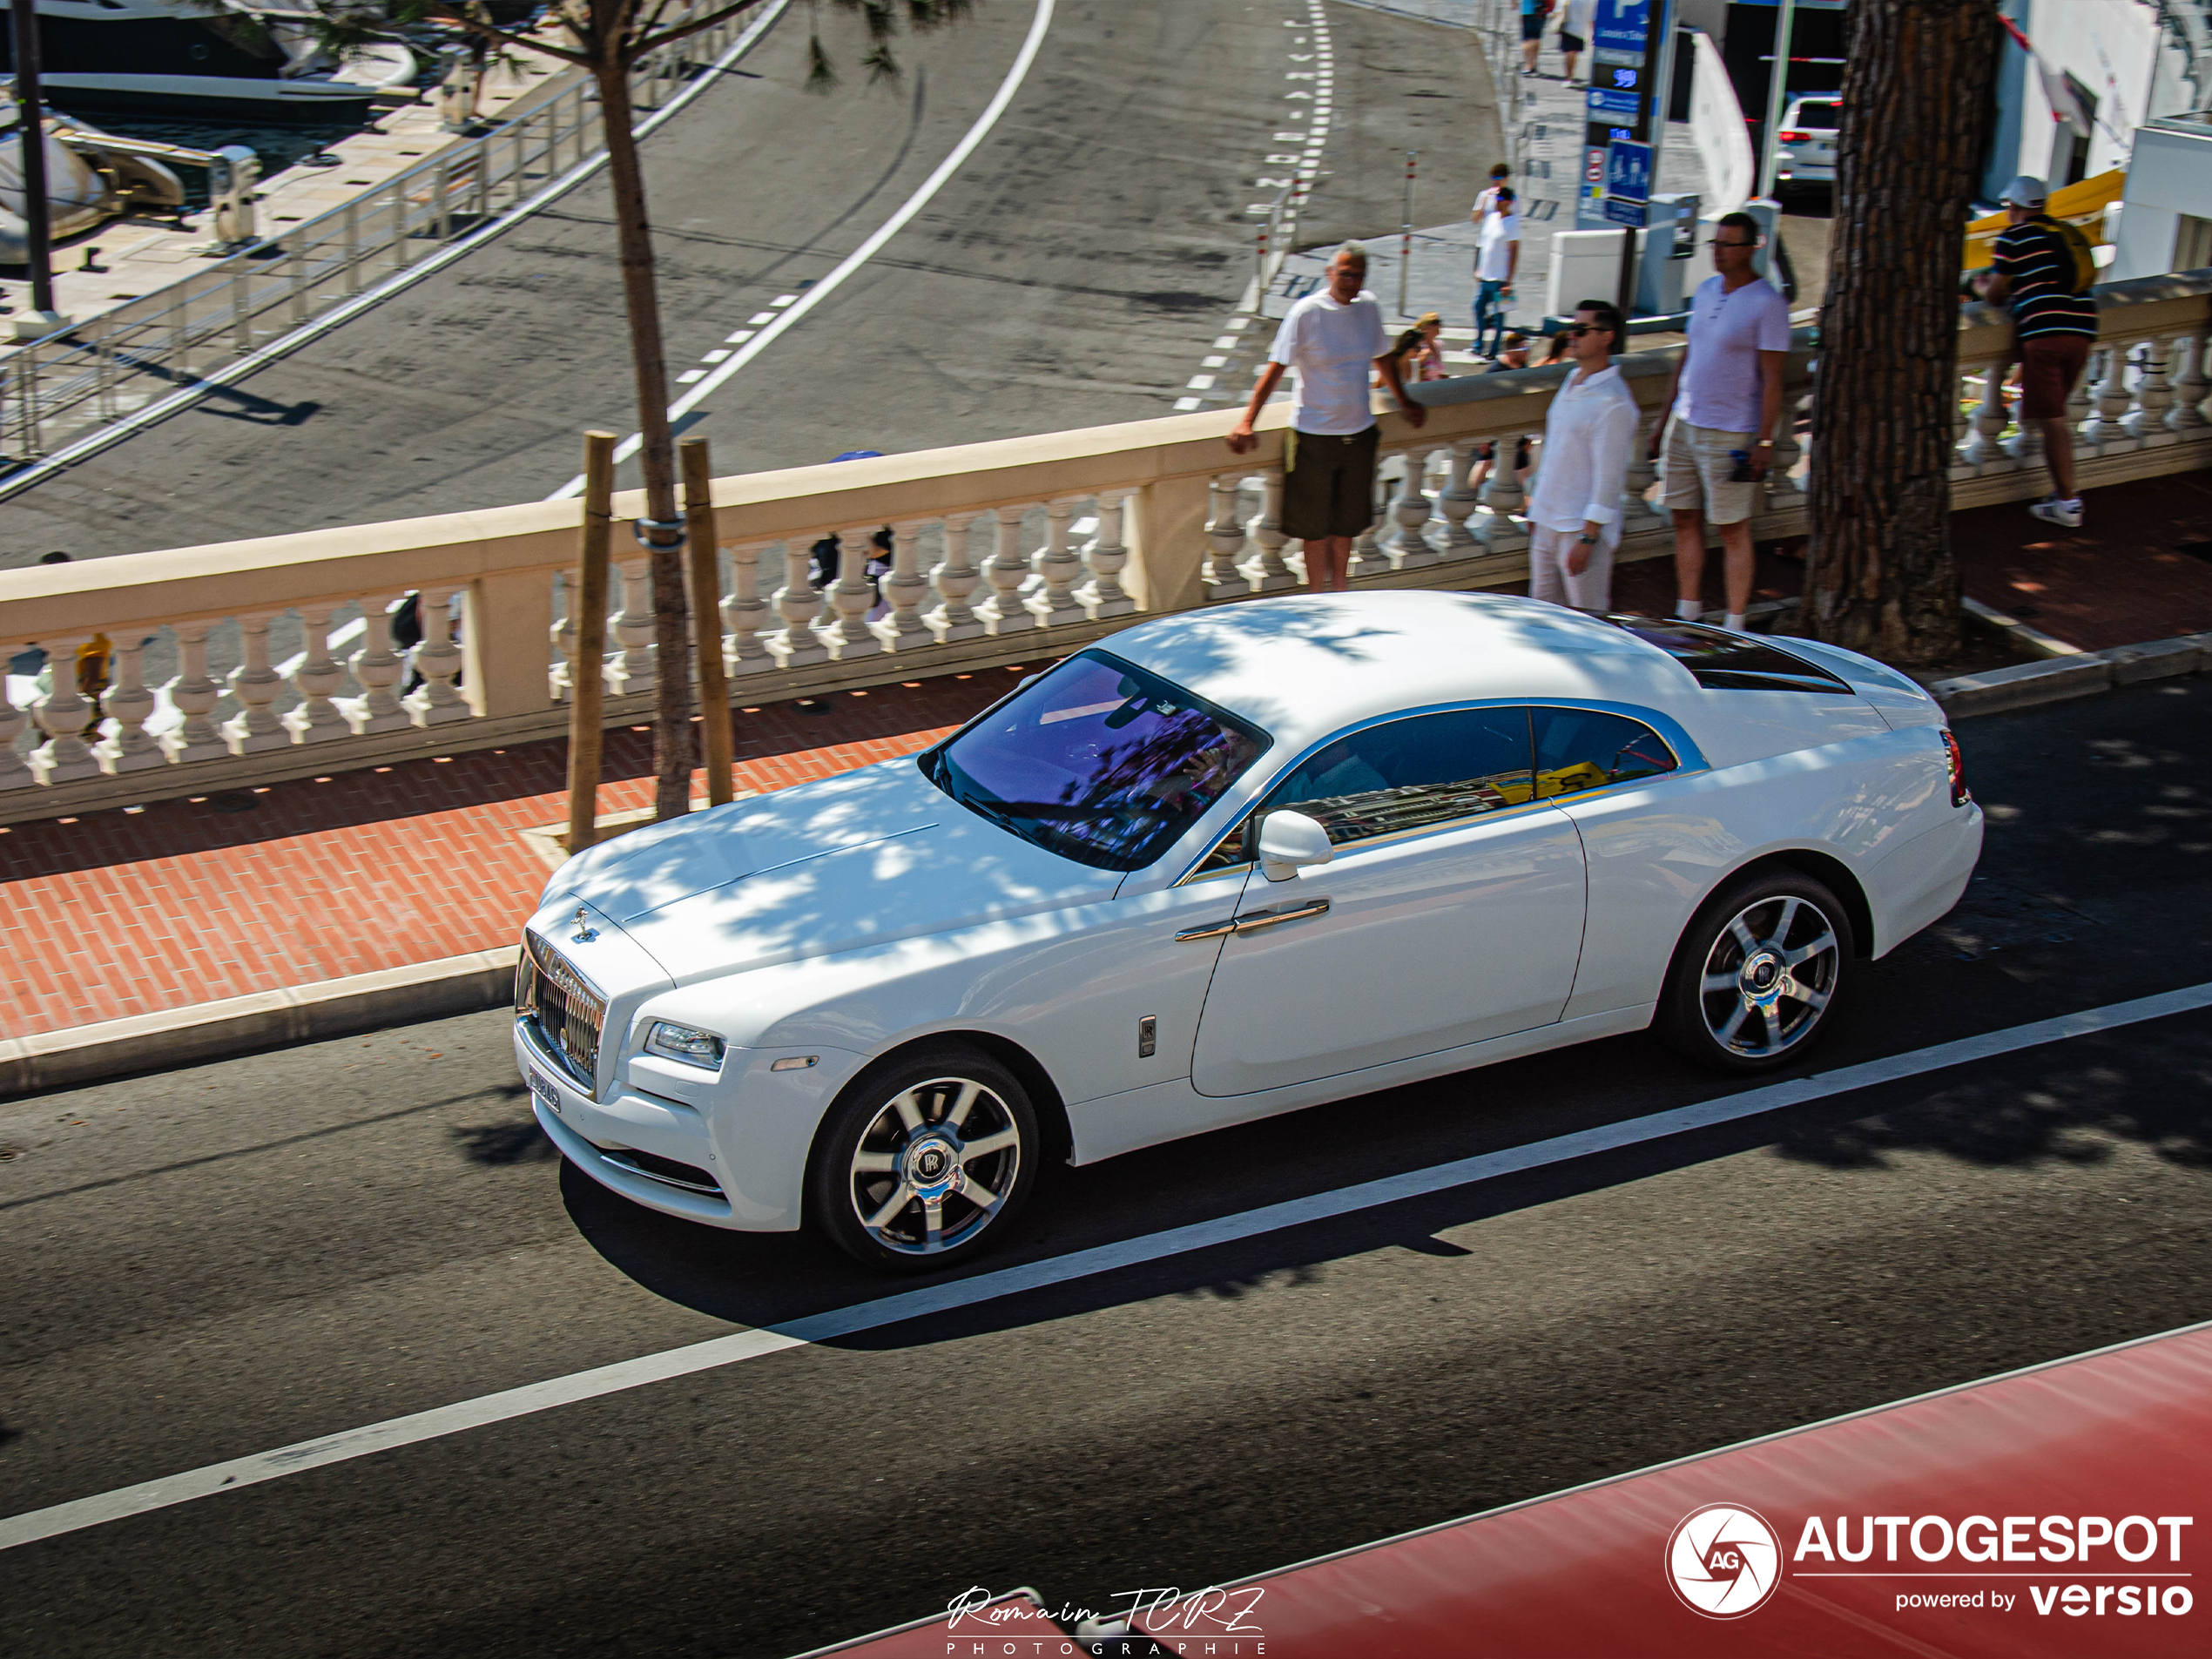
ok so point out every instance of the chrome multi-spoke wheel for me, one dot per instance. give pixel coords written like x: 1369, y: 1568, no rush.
x: 1758, y: 973
x: 1769, y: 974
x: 925, y: 1159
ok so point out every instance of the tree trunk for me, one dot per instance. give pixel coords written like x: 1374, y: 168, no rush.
x: 1879, y: 576
x: 672, y: 743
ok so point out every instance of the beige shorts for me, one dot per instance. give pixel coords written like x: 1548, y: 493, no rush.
x: 1694, y: 472
x: 1549, y: 579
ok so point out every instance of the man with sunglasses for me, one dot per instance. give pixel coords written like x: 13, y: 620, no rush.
x: 1575, y: 508
x: 1726, y: 400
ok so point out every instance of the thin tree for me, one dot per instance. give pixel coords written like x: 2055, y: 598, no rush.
x: 1918, y: 79
x: 607, y: 39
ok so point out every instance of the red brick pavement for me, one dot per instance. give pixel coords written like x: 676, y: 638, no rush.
x: 179, y: 902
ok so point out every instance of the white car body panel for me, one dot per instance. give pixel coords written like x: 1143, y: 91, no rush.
x: 832, y: 923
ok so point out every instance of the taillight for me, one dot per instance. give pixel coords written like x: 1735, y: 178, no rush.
x: 1960, y: 793
x: 1794, y: 138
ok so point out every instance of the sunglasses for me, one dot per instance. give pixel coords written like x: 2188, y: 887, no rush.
x: 1582, y: 328
x: 1717, y: 242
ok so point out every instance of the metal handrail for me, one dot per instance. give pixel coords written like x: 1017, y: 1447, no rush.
x: 145, y: 347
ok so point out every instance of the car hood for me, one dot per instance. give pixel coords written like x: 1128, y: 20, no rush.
x: 860, y: 859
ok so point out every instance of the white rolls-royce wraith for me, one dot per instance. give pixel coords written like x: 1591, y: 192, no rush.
x: 1226, y: 864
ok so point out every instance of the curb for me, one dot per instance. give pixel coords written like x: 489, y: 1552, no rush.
x: 2055, y: 678
x: 485, y: 979
x: 264, y: 1020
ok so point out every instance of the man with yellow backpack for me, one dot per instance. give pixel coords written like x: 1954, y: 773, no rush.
x: 2043, y: 272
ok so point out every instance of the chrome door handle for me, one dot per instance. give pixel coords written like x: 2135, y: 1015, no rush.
x: 1207, y: 930
x: 1254, y: 921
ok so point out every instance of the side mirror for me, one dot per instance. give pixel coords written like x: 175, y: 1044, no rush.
x: 1288, y: 842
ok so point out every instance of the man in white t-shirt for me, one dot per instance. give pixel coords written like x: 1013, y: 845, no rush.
x: 1334, y: 338
x: 1727, y: 402
x: 1497, y: 258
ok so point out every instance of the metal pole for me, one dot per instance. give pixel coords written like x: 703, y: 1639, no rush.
x: 588, y: 609
x: 1776, y: 91
x: 30, y: 125
x: 706, y: 620
x: 1406, y: 235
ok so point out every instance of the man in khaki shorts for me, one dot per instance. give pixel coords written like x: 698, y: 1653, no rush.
x: 1726, y: 400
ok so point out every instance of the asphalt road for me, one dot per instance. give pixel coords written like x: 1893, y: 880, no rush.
x: 1071, y: 274
x: 219, y: 1261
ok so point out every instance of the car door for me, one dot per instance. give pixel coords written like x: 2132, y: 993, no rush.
x: 1451, y: 912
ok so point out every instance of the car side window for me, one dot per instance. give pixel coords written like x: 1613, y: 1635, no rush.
x: 1408, y: 774
x: 1580, y: 749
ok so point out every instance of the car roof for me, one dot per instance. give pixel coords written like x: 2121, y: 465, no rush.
x: 1302, y: 666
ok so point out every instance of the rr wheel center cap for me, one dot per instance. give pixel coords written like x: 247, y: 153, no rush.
x: 1763, y: 976
x: 932, y: 1168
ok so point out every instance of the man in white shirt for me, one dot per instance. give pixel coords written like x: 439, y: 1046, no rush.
x: 1334, y: 338
x: 1727, y: 400
x: 1497, y: 258
x: 1575, y: 510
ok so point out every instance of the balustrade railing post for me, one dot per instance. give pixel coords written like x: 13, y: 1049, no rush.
x: 631, y: 670
x: 1410, y: 511
x: 2190, y: 388
x: 1781, y: 490
x: 104, y: 368
x: 242, y: 313
x: 64, y: 716
x: 851, y: 597
x: 256, y: 684
x: 1503, y: 495
x: 2110, y: 401
x: 1637, y: 513
x: 795, y: 643
x: 1058, y: 569
x: 295, y: 264
x: 1106, y: 557
x: 442, y: 183
x: 2145, y: 422
x: 376, y: 669
x: 1981, y: 450
x: 744, y: 612
x: 130, y: 704
x: 15, y: 772
x: 1458, y: 501
x: 1006, y: 570
x: 437, y: 659
x: 351, y: 218
x: 194, y: 695
x: 1268, y: 571
x: 955, y: 578
x: 1225, y: 538
x: 27, y: 399
x: 904, y: 590
x: 316, y: 718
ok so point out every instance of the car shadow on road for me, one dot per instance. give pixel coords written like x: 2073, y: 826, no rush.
x: 2037, y: 1107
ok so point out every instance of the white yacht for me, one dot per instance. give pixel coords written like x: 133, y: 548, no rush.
x: 255, y: 58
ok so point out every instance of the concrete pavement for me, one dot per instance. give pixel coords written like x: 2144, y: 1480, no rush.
x: 231, y: 1258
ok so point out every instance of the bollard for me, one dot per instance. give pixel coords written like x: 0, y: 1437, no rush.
x: 230, y: 181
x: 458, y: 75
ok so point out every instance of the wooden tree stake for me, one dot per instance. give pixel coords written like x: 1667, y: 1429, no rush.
x: 587, y: 610
x: 706, y: 619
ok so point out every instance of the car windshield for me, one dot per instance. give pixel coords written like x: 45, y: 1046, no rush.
x: 1098, y: 761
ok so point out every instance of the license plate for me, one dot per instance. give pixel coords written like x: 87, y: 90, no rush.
x: 542, y: 1088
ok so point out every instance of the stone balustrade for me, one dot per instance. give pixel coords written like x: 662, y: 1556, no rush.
x: 211, y: 668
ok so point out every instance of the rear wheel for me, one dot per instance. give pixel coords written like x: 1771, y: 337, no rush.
x: 925, y: 1162
x: 1758, y: 973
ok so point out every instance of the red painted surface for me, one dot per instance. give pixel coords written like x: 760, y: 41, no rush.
x: 2119, y: 1435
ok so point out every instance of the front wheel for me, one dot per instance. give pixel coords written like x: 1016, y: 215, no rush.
x: 1758, y: 974
x: 924, y: 1162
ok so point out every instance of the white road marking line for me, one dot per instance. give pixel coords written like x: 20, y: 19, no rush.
x: 1077, y: 1264
x: 761, y: 317
x: 1215, y: 361
x: 691, y: 374
x: 738, y: 338
x: 1187, y: 403
x: 714, y: 357
x: 783, y: 299
x: 91, y: 444
x: 804, y: 303
x: 1200, y: 382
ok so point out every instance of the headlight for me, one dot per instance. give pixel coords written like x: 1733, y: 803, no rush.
x: 693, y: 1047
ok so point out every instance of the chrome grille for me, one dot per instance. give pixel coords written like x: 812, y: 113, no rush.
x: 568, y: 1013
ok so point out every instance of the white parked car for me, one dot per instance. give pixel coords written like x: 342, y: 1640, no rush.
x: 1805, y: 144
x: 1226, y: 864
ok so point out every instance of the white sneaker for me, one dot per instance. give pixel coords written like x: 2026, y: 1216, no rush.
x: 1688, y: 610
x: 2052, y: 510
x: 1733, y: 622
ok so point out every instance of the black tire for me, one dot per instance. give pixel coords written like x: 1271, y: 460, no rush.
x: 1728, y: 1027
x: 928, y: 1154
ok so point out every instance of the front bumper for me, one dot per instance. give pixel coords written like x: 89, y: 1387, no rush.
x: 751, y: 1132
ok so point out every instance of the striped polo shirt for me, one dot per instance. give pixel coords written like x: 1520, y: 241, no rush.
x: 2032, y: 259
